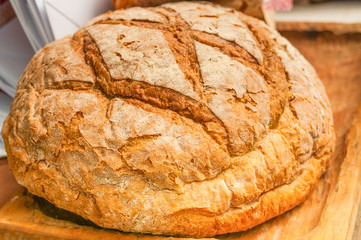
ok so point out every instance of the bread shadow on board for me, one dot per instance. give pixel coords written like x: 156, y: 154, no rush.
x: 50, y: 210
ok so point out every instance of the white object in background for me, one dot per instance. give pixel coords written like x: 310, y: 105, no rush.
x: 66, y: 17
x: 334, y: 11
x: 4, y: 110
x: 15, y: 53
x: 27, y: 22
x: 41, y: 20
x: 44, y: 21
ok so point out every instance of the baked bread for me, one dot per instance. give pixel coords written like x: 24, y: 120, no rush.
x: 185, y: 119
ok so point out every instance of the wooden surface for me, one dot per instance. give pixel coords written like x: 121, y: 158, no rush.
x: 8, y: 185
x: 337, y: 28
x: 337, y: 59
x: 329, y: 213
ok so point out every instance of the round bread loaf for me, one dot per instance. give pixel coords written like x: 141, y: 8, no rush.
x: 185, y: 119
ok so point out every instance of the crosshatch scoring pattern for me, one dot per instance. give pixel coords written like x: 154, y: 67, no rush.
x: 187, y: 118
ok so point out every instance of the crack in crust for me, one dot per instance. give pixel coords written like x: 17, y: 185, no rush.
x: 166, y: 98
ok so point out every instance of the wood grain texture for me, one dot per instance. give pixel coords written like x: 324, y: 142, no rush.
x: 337, y: 28
x: 339, y: 67
x: 357, y: 230
x: 7, y: 182
x: 329, y: 213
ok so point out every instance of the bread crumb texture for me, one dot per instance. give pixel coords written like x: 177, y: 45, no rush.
x: 184, y: 119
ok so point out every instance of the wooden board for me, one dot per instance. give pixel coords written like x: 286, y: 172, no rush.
x: 7, y: 183
x: 329, y: 213
x: 339, y: 17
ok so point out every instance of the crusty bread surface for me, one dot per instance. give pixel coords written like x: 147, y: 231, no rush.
x: 186, y: 119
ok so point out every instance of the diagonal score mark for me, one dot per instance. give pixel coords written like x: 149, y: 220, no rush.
x: 182, y: 46
x: 160, y: 97
x: 175, y: 32
x: 226, y: 47
x: 183, y: 49
x: 138, y: 23
x: 273, y: 70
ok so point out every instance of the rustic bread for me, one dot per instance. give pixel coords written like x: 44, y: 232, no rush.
x: 185, y: 119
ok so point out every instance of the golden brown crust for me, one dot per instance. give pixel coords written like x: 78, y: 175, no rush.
x: 185, y: 119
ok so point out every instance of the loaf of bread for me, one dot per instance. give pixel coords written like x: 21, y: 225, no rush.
x: 186, y: 119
